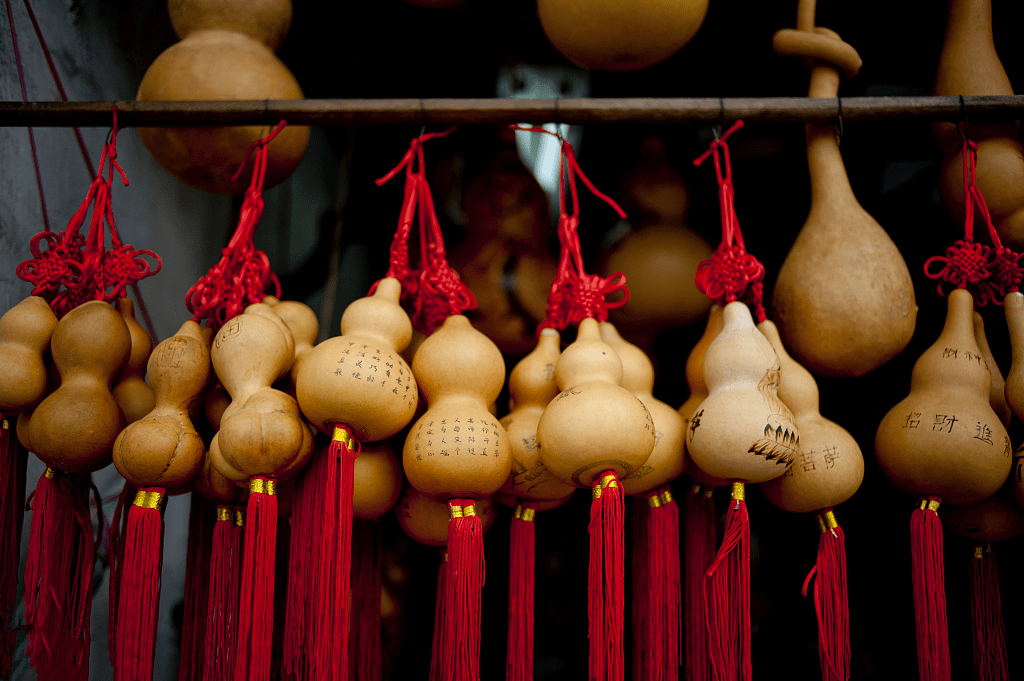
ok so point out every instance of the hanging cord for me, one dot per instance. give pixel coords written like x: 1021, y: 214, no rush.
x: 731, y: 273
x: 243, y: 274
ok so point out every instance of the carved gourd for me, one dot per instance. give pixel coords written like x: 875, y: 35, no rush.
x: 532, y: 386
x: 262, y: 431
x: 457, y: 449
x: 694, y: 372
x: 73, y: 429
x: 843, y: 300
x: 163, y: 449
x: 829, y: 467
x: 668, y: 459
x: 133, y: 394
x: 425, y: 518
x: 1013, y: 391
x: 997, y: 393
x: 742, y: 430
x: 594, y: 425
x: 969, y: 65
x: 944, y: 438
x: 25, y: 332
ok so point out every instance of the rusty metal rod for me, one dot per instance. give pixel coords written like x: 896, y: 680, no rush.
x: 708, y: 110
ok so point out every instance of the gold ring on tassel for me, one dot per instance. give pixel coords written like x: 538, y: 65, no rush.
x: 739, y: 491
x: 223, y: 513
x: 654, y: 500
x: 666, y: 497
x: 262, y: 486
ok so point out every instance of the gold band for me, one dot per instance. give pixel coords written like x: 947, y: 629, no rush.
x: 262, y: 486
x: 50, y: 473
x: 343, y: 436
x: 4, y: 424
x: 455, y: 512
x: 930, y: 505
x: 609, y: 480
x: 239, y: 518
x: 223, y: 513
x: 654, y: 501
x: 666, y: 497
x: 696, y: 488
x: 151, y: 499
x: 469, y: 511
x: 738, y: 491
x: 979, y: 551
x: 595, y: 492
x: 528, y: 515
x: 829, y: 517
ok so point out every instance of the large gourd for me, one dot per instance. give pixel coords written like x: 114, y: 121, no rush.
x: 968, y: 65
x: 694, y: 372
x: 25, y: 332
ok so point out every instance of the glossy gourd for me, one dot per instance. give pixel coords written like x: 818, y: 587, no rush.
x: 1013, y: 390
x: 133, y: 394
x: 694, y: 372
x: 215, y: 487
x: 425, y: 518
x: 742, y: 430
x: 377, y: 480
x: 829, y: 466
x: 944, y: 438
x: 593, y: 425
x: 457, y: 449
x: 304, y: 327
x: 25, y: 332
x: 997, y: 393
x: 531, y: 387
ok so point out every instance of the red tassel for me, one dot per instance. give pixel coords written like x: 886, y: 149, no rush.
x: 437, y: 643
x: 664, y: 591
x: 222, y: 606
x: 305, y: 544
x: 115, y: 550
x: 201, y: 519
x: 727, y: 603
x: 640, y: 592
x: 256, y: 593
x: 58, y: 577
x: 929, y: 591
x: 364, y: 637
x: 830, y: 600
x: 13, y: 460
x: 139, y: 601
x: 460, y: 627
x: 606, y: 589
x: 699, y: 541
x: 522, y: 560
x: 987, y: 617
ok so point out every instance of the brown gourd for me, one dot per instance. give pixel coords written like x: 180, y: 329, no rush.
x: 944, y: 438
x: 425, y: 518
x: 304, y: 327
x: 377, y: 480
x: 133, y: 394
x: 988, y: 520
x: 969, y: 65
x: 25, y: 332
x: 997, y: 393
x: 694, y: 372
x: 1013, y: 390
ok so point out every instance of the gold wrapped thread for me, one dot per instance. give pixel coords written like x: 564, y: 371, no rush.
x: 829, y: 518
x: 528, y: 515
x: 695, y: 488
x: 654, y: 501
x: 979, y: 551
x: 140, y: 498
x: 344, y: 437
x: 262, y: 486
x: 517, y: 512
x: 455, y: 512
x: 609, y: 480
x: 239, y: 518
x: 738, y: 491
x: 224, y: 514
x: 666, y: 497
x: 5, y: 424
x: 469, y: 511
x: 50, y: 473
x: 150, y: 499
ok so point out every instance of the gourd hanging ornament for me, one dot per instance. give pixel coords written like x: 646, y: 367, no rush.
x: 594, y: 432
x: 742, y: 431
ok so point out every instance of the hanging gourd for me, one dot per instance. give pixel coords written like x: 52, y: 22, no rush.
x: 1013, y: 390
x: 843, y: 299
x: 997, y: 392
x: 968, y: 65
x: 304, y: 326
x: 133, y: 394
x: 428, y: 520
x: 828, y: 470
x: 226, y: 53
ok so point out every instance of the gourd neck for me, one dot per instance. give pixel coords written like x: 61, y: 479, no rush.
x: 829, y: 180
x: 970, y: 22
x: 1014, y: 308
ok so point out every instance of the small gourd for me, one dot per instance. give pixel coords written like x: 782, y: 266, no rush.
x: 73, y: 429
x: 304, y: 327
x: 668, y: 459
x: 163, y: 449
x: 1013, y: 390
x: 425, y: 518
x: 594, y: 425
x: 997, y: 393
x: 25, y: 332
x: 988, y: 520
x: 532, y: 386
x: 694, y: 372
x: 377, y: 480
x: 944, y: 438
x: 829, y: 467
x: 457, y: 449
x: 133, y: 394
x: 742, y: 430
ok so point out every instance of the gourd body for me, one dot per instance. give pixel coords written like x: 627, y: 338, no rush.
x: 25, y: 332
x: 457, y: 449
x: 267, y: 21
x: 73, y: 429
x: 988, y: 520
x: 377, y: 480
x: 425, y: 518
x: 163, y: 448
x: 1013, y: 390
x: 943, y: 438
x: 215, y: 487
x: 694, y: 372
x: 532, y: 386
x: 304, y: 327
x: 133, y: 394
x: 829, y: 466
x: 359, y: 379
x: 593, y: 425
x: 997, y: 392
x: 742, y: 430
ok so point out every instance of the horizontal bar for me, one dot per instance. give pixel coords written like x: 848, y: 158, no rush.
x: 504, y: 111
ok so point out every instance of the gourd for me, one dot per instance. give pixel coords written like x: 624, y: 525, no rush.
x: 226, y: 52
x: 1013, y: 390
x: 304, y: 327
x: 133, y: 394
x: 25, y: 332
x: 997, y: 392
x: 694, y: 372
x: 425, y: 518
x: 532, y: 386
x: 968, y: 65
x: 377, y: 480
x: 988, y: 520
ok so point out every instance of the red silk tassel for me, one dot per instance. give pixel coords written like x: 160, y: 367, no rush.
x: 929, y: 587
x: 727, y: 601
x: 664, y: 593
x: 830, y: 600
x: 201, y: 519
x: 256, y: 593
x: 606, y: 588
x: 640, y: 592
x: 987, y: 617
x: 464, y: 580
x: 699, y: 541
x: 437, y: 643
x: 222, y: 606
x: 58, y: 577
x: 306, y: 543
x: 139, y: 600
x: 364, y: 637
x: 115, y: 550
x: 522, y: 561
x: 13, y: 460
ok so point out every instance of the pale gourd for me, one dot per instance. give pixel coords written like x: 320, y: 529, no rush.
x: 163, y: 449
x: 843, y: 299
x: 997, y: 393
x: 593, y: 425
x: 829, y: 466
x: 73, y: 429
x: 25, y: 332
x: 694, y: 372
x: 1013, y: 391
x: 457, y: 449
x: 532, y: 386
x: 944, y: 438
x: 668, y: 459
x: 968, y: 65
x: 133, y: 394
x: 742, y: 430
x: 425, y: 518
x: 377, y: 480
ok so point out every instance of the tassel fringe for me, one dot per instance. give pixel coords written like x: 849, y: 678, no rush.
x: 606, y: 589
x: 699, y: 541
x: 987, y: 617
x: 464, y: 580
x: 222, y: 606
x: 256, y: 594
x: 13, y: 461
x: 929, y: 591
x: 830, y: 600
x: 364, y: 642
x: 437, y: 666
x: 522, y: 573
x: 201, y: 519
x: 727, y: 596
